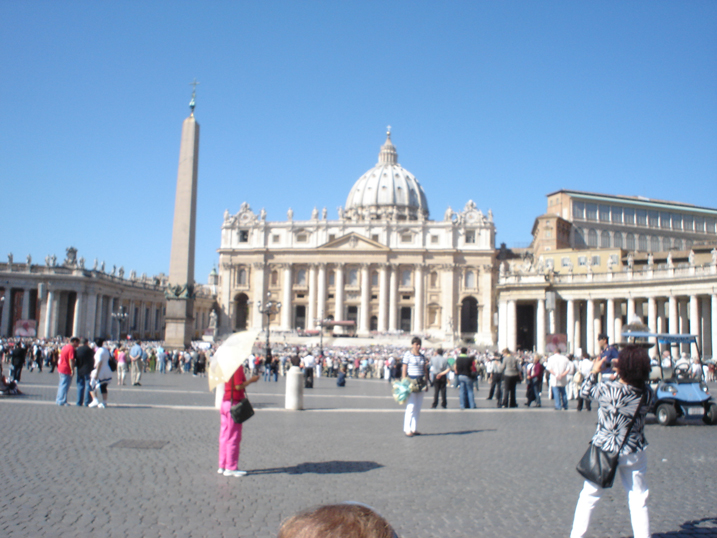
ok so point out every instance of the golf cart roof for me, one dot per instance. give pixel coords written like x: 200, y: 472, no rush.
x: 663, y: 338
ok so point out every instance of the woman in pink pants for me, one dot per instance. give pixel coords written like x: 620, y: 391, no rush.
x: 230, y: 431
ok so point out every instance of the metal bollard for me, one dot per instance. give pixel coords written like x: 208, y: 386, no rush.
x: 294, y: 389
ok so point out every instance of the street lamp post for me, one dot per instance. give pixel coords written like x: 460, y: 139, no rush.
x: 120, y: 316
x: 268, y: 308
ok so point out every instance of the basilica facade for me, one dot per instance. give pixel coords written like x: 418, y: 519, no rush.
x: 384, y: 267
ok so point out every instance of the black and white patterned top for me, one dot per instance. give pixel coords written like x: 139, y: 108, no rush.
x: 618, y: 403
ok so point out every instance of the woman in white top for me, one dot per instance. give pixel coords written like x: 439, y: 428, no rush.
x: 101, y: 376
x: 415, y: 367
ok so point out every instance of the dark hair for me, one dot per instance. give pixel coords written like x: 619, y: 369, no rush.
x: 99, y: 342
x: 416, y: 340
x: 439, y: 351
x: 354, y: 520
x: 602, y: 336
x: 464, y: 350
x: 633, y: 365
x: 85, y: 341
x: 75, y: 339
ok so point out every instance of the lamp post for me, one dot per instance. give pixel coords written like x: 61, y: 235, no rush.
x: 120, y: 316
x: 268, y: 308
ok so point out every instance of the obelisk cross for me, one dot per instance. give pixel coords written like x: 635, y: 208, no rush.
x: 193, y: 102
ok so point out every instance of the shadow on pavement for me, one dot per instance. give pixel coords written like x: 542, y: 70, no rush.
x: 700, y: 527
x: 323, y: 467
x: 464, y: 432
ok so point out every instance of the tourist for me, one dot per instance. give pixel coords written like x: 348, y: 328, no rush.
x: 230, y: 431
x: 101, y: 376
x: 84, y: 363
x: 583, y: 368
x: 66, y: 369
x: 121, y: 366
x: 439, y: 378
x: 511, y: 377
x: 619, y: 400
x: 415, y: 367
x: 559, y: 367
x: 495, y: 368
x: 535, y: 381
x: 135, y: 357
x: 465, y: 380
x: 347, y: 520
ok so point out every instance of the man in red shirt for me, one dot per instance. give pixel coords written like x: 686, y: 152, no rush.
x: 66, y: 368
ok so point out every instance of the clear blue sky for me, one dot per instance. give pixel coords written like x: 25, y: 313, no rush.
x: 498, y: 102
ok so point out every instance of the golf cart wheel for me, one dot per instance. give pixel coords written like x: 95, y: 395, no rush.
x: 711, y: 415
x: 666, y: 414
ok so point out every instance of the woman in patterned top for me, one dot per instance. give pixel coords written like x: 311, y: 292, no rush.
x: 619, y: 400
x: 415, y: 366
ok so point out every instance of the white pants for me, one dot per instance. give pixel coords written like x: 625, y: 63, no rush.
x: 413, y: 411
x: 632, y: 468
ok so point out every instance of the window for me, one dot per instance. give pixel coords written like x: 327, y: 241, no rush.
x: 653, y: 217
x: 665, y: 220
x: 592, y: 238
x: 641, y: 217
x: 241, y: 277
x: 687, y: 223
x: 470, y: 279
x: 628, y: 216
x: 301, y: 277
x: 655, y: 244
x: 434, y: 240
x: 688, y: 244
x: 434, y: 280
x: 353, y: 277
x: 616, y: 215
x: 604, y: 212
x: 406, y: 238
x: 406, y: 277
x: 374, y: 237
x: 548, y: 234
x: 605, y: 239
x: 332, y: 278
x: 642, y: 243
x: 578, y: 210
x: 243, y: 236
x: 274, y: 278
x: 275, y: 238
x: 617, y: 240
x: 470, y: 236
x: 332, y: 237
x: 550, y: 263
x: 595, y: 261
x: 565, y: 262
x: 582, y: 260
x: 302, y: 238
x: 630, y: 242
x: 700, y: 224
x: 677, y: 245
x: 591, y: 211
x: 613, y: 259
x: 676, y: 222
x: 374, y: 278
x: 710, y: 225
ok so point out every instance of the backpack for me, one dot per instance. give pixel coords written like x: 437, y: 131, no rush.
x: 112, y: 363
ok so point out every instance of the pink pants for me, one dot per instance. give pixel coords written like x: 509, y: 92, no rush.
x: 229, y: 439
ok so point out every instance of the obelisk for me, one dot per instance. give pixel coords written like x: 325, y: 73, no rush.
x: 179, y: 319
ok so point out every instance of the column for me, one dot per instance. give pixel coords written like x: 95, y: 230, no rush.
x: 77, y: 320
x: 695, y: 328
x: 339, y: 294
x: 610, y: 321
x: 259, y: 294
x: 364, y: 313
x: 590, y: 326
x: 226, y: 322
x: 672, y: 313
x: 714, y: 325
x: 90, y: 314
x: 25, y: 304
x: 419, y: 306
x: 449, y: 318
x: 570, y: 325
x: 48, y: 314
x: 321, y: 293
x: 393, y: 299
x: 630, y: 309
x: 311, y: 322
x: 540, y: 325
x: 652, y: 324
x: 511, y: 332
x: 383, y: 297
x: 286, y: 306
x: 5, y: 330
x: 502, y: 325
x: 552, y: 325
x: 578, y: 329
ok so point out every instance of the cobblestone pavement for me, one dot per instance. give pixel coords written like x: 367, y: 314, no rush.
x: 486, y: 473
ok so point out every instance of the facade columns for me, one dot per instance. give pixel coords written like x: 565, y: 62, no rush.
x: 449, y: 315
x: 630, y: 309
x: 590, y: 327
x: 259, y: 295
x: 610, y: 320
x: 570, y: 325
x: 5, y: 329
x: 502, y: 325
x: 339, y: 295
x: 311, y: 322
x: 672, y: 313
x: 512, y: 321
x: 226, y: 322
x: 714, y: 325
x: 393, y: 299
x: 91, y: 313
x: 652, y: 322
x: 25, y: 304
x: 286, y: 305
x: 321, y: 293
x: 365, y: 311
x: 383, y: 297
x: 540, y: 325
x: 419, y: 306
x: 79, y: 308
x: 695, y: 328
x: 49, y: 312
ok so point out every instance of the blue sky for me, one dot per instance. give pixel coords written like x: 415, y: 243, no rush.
x: 498, y: 102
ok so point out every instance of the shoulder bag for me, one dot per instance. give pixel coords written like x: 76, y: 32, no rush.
x: 598, y: 465
x: 242, y: 411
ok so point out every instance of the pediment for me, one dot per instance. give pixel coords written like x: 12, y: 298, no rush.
x: 353, y: 241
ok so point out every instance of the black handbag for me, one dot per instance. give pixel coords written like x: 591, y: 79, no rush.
x: 242, y: 411
x: 599, y: 466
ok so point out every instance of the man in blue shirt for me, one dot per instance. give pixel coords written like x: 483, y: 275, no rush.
x: 135, y: 356
x: 607, y: 352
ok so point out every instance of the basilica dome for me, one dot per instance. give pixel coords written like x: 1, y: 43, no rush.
x: 387, y: 191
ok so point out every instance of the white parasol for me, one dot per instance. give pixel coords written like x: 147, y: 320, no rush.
x: 230, y: 355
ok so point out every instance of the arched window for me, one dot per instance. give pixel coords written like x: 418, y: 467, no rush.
x: 642, y: 243
x: 617, y: 240
x: 434, y: 280
x: 592, y: 238
x: 353, y: 277
x: 630, y: 242
x: 332, y: 278
x: 605, y: 239
x: 374, y: 278
x: 274, y: 278
x: 677, y: 245
x: 241, y: 277
x: 655, y: 244
x: 406, y: 277
x: 301, y: 277
x: 470, y: 279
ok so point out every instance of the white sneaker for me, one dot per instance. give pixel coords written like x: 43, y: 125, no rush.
x: 236, y: 473
x: 220, y: 470
x: 94, y: 403
x: 101, y: 406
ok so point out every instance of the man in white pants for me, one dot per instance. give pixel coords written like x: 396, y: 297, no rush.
x: 415, y: 366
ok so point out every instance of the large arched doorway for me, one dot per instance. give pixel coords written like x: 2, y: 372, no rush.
x: 469, y: 315
x: 241, y: 312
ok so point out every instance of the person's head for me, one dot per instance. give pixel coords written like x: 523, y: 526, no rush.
x: 74, y: 341
x: 633, y: 365
x: 602, y: 340
x: 415, y: 344
x: 99, y: 342
x: 439, y: 351
x: 85, y: 341
x: 464, y: 351
x: 537, y: 358
x: 506, y: 351
x: 354, y: 520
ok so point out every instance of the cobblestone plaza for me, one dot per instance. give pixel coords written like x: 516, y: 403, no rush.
x: 71, y: 471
